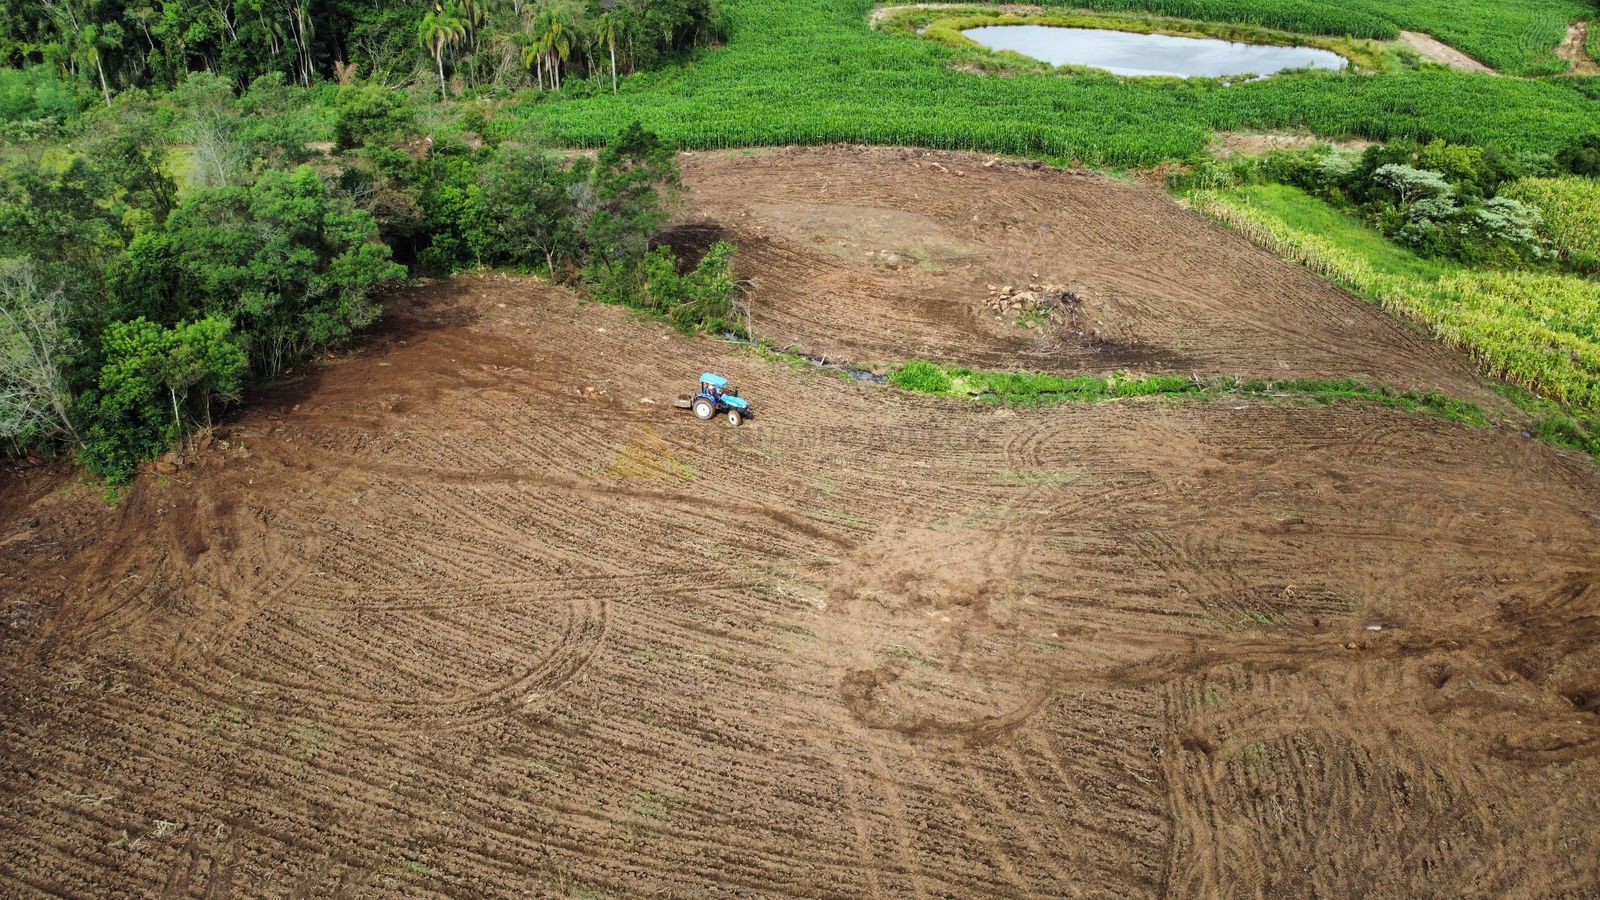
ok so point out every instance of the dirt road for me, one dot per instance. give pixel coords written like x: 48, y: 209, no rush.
x: 473, y: 612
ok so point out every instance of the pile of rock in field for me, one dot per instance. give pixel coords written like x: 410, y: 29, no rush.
x: 1034, y: 305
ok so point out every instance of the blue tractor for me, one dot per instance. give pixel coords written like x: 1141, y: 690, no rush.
x: 716, y: 398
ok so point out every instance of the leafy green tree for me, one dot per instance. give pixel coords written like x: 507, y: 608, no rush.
x: 73, y: 214
x: 293, y: 266
x: 384, y: 39
x: 523, y: 209
x: 36, y: 93
x: 702, y: 299
x: 1582, y: 157
x: 129, y: 151
x: 634, y: 185
x: 1508, y: 231
x: 712, y: 286
x: 444, y: 183
x: 124, y: 416
x: 269, y: 127
x: 205, y: 361
x: 59, y: 216
x: 1409, y: 184
x: 151, y: 380
x: 367, y: 114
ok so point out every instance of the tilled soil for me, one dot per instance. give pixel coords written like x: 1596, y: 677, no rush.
x: 475, y: 612
x: 874, y: 255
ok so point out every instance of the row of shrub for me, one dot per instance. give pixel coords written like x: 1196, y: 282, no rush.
x: 100, y: 47
x: 1473, y: 205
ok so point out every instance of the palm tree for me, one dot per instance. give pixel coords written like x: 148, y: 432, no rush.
x: 556, y: 29
x: 532, y: 55
x: 91, y: 40
x: 606, y: 30
x: 440, y: 30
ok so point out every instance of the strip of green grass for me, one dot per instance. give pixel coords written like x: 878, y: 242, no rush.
x: 1556, y: 425
x: 1028, y: 389
x: 1305, y: 213
x: 1548, y: 421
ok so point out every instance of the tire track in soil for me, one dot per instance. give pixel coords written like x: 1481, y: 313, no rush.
x: 850, y: 789
x: 582, y: 634
x: 1056, y: 591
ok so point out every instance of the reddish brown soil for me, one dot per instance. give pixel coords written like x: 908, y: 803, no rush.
x: 460, y: 615
x: 879, y: 254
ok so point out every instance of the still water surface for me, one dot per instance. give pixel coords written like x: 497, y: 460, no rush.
x: 1125, y: 53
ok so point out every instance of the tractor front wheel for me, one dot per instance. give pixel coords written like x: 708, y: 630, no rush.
x: 735, y: 418
x: 704, y: 410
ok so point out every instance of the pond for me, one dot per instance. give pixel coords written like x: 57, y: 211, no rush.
x: 1126, y: 53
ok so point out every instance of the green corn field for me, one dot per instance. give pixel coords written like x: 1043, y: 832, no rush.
x: 1538, y: 330
x: 813, y: 72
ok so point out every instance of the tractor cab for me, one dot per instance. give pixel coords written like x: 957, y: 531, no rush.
x: 715, y: 387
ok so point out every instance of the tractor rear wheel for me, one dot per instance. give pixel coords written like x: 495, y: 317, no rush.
x: 735, y: 418
x: 704, y: 410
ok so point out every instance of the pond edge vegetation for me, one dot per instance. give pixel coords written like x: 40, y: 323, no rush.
x: 947, y: 26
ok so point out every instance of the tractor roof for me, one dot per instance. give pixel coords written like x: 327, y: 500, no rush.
x: 713, y: 379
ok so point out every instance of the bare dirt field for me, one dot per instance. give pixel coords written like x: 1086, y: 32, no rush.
x: 873, y: 254
x: 1431, y: 48
x: 462, y: 614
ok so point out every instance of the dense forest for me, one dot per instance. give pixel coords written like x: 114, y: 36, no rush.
x: 197, y: 198
x: 468, y: 44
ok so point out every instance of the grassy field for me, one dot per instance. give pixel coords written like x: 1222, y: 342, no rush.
x: 813, y: 72
x: 1539, y: 331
